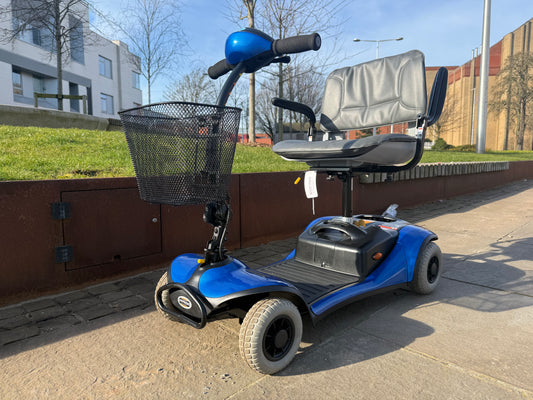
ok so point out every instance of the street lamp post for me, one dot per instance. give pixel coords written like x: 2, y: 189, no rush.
x: 377, y: 42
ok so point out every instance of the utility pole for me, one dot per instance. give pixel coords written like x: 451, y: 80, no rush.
x: 483, y: 81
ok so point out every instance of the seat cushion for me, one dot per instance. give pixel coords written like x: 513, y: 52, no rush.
x: 389, y: 149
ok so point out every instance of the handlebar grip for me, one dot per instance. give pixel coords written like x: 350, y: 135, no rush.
x: 296, y: 44
x: 219, y: 69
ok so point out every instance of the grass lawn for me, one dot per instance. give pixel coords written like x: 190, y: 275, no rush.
x: 30, y: 153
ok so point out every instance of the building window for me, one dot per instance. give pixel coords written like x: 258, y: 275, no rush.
x: 39, y: 84
x: 105, y: 67
x: 76, y: 40
x: 34, y: 35
x: 106, y: 104
x: 17, y: 82
x: 136, y: 80
x: 73, y: 89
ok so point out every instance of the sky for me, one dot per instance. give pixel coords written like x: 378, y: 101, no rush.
x: 445, y: 31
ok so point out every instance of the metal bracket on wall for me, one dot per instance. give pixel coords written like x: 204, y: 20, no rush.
x: 60, y: 210
x: 64, y: 254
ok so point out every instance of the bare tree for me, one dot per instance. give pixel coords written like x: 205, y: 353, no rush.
x: 197, y: 87
x: 55, y: 25
x: 513, y: 93
x: 193, y: 87
x: 285, y: 18
x: 266, y: 113
x: 305, y: 86
x: 302, y: 86
x: 449, y: 118
x: 153, y: 31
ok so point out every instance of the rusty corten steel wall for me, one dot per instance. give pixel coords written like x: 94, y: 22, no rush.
x: 273, y: 207
x: 113, y: 233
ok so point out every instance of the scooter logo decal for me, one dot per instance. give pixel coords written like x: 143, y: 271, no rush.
x: 184, y: 302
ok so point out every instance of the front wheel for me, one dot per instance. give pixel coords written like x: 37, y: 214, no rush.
x: 270, y: 335
x: 428, y: 269
x: 165, y: 297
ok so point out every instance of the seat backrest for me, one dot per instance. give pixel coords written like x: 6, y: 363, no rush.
x: 381, y: 92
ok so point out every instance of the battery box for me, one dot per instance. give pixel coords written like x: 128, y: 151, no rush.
x: 344, y: 247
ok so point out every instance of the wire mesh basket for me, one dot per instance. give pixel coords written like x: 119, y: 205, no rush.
x: 182, y: 153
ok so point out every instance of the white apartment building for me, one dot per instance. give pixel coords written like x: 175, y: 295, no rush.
x: 103, y: 70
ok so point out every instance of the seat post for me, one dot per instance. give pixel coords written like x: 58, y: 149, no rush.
x: 346, y: 178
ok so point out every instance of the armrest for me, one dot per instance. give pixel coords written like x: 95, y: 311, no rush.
x: 297, y: 107
x: 438, y: 95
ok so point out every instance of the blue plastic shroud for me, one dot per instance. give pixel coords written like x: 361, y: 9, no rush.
x: 235, y: 277
x: 222, y: 281
x: 243, y: 45
x: 396, y: 269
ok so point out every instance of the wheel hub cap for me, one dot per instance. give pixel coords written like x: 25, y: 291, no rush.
x: 433, y: 270
x: 278, y: 338
x: 281, y: 339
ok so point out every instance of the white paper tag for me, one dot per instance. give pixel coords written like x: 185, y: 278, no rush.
x: 310, y: 184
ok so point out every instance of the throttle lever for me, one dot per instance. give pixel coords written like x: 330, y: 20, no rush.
x: 282, y: 60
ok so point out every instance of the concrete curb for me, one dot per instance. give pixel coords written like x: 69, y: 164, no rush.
x: 432, y: 170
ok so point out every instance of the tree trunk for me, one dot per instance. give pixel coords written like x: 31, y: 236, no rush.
x: 280, y: 95
x: 59, y: 83
x: 149, y: 80
x: 522, y: 126
x: 59, y: 60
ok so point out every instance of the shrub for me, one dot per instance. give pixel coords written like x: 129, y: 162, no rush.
x: 440, y: 145
x: 465, y: 148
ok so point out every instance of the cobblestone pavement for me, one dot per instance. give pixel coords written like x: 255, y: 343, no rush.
x: 38, y: 317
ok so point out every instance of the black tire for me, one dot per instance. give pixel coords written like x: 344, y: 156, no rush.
x: 270, y: 335
x: 165, y: 297
x: 428, y: 269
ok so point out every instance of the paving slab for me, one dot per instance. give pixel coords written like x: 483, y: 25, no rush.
x: 484, y: 330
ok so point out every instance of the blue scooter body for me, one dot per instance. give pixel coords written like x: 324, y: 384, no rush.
x: 233, y: 281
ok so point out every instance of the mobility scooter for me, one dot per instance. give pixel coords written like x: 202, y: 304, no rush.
x: 183, y: 153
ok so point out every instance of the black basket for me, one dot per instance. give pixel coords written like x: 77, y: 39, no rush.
x: 182, y: 153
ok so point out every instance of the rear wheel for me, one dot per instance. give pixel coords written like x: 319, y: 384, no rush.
x: 270, y: 335
x: 165, y: 297
x: 428, y: 269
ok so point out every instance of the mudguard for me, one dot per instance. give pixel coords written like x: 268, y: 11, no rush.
x: 229, y: 280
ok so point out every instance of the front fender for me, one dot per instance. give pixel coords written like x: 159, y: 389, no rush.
x: 224, y: 280
x: 413, y: 239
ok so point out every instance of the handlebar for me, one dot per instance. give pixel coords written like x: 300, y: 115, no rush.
x: 290, y: 45
x: 219, y: 69
x: 296, y: 44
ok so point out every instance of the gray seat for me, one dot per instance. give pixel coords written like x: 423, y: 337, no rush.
x: 382, y: 92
